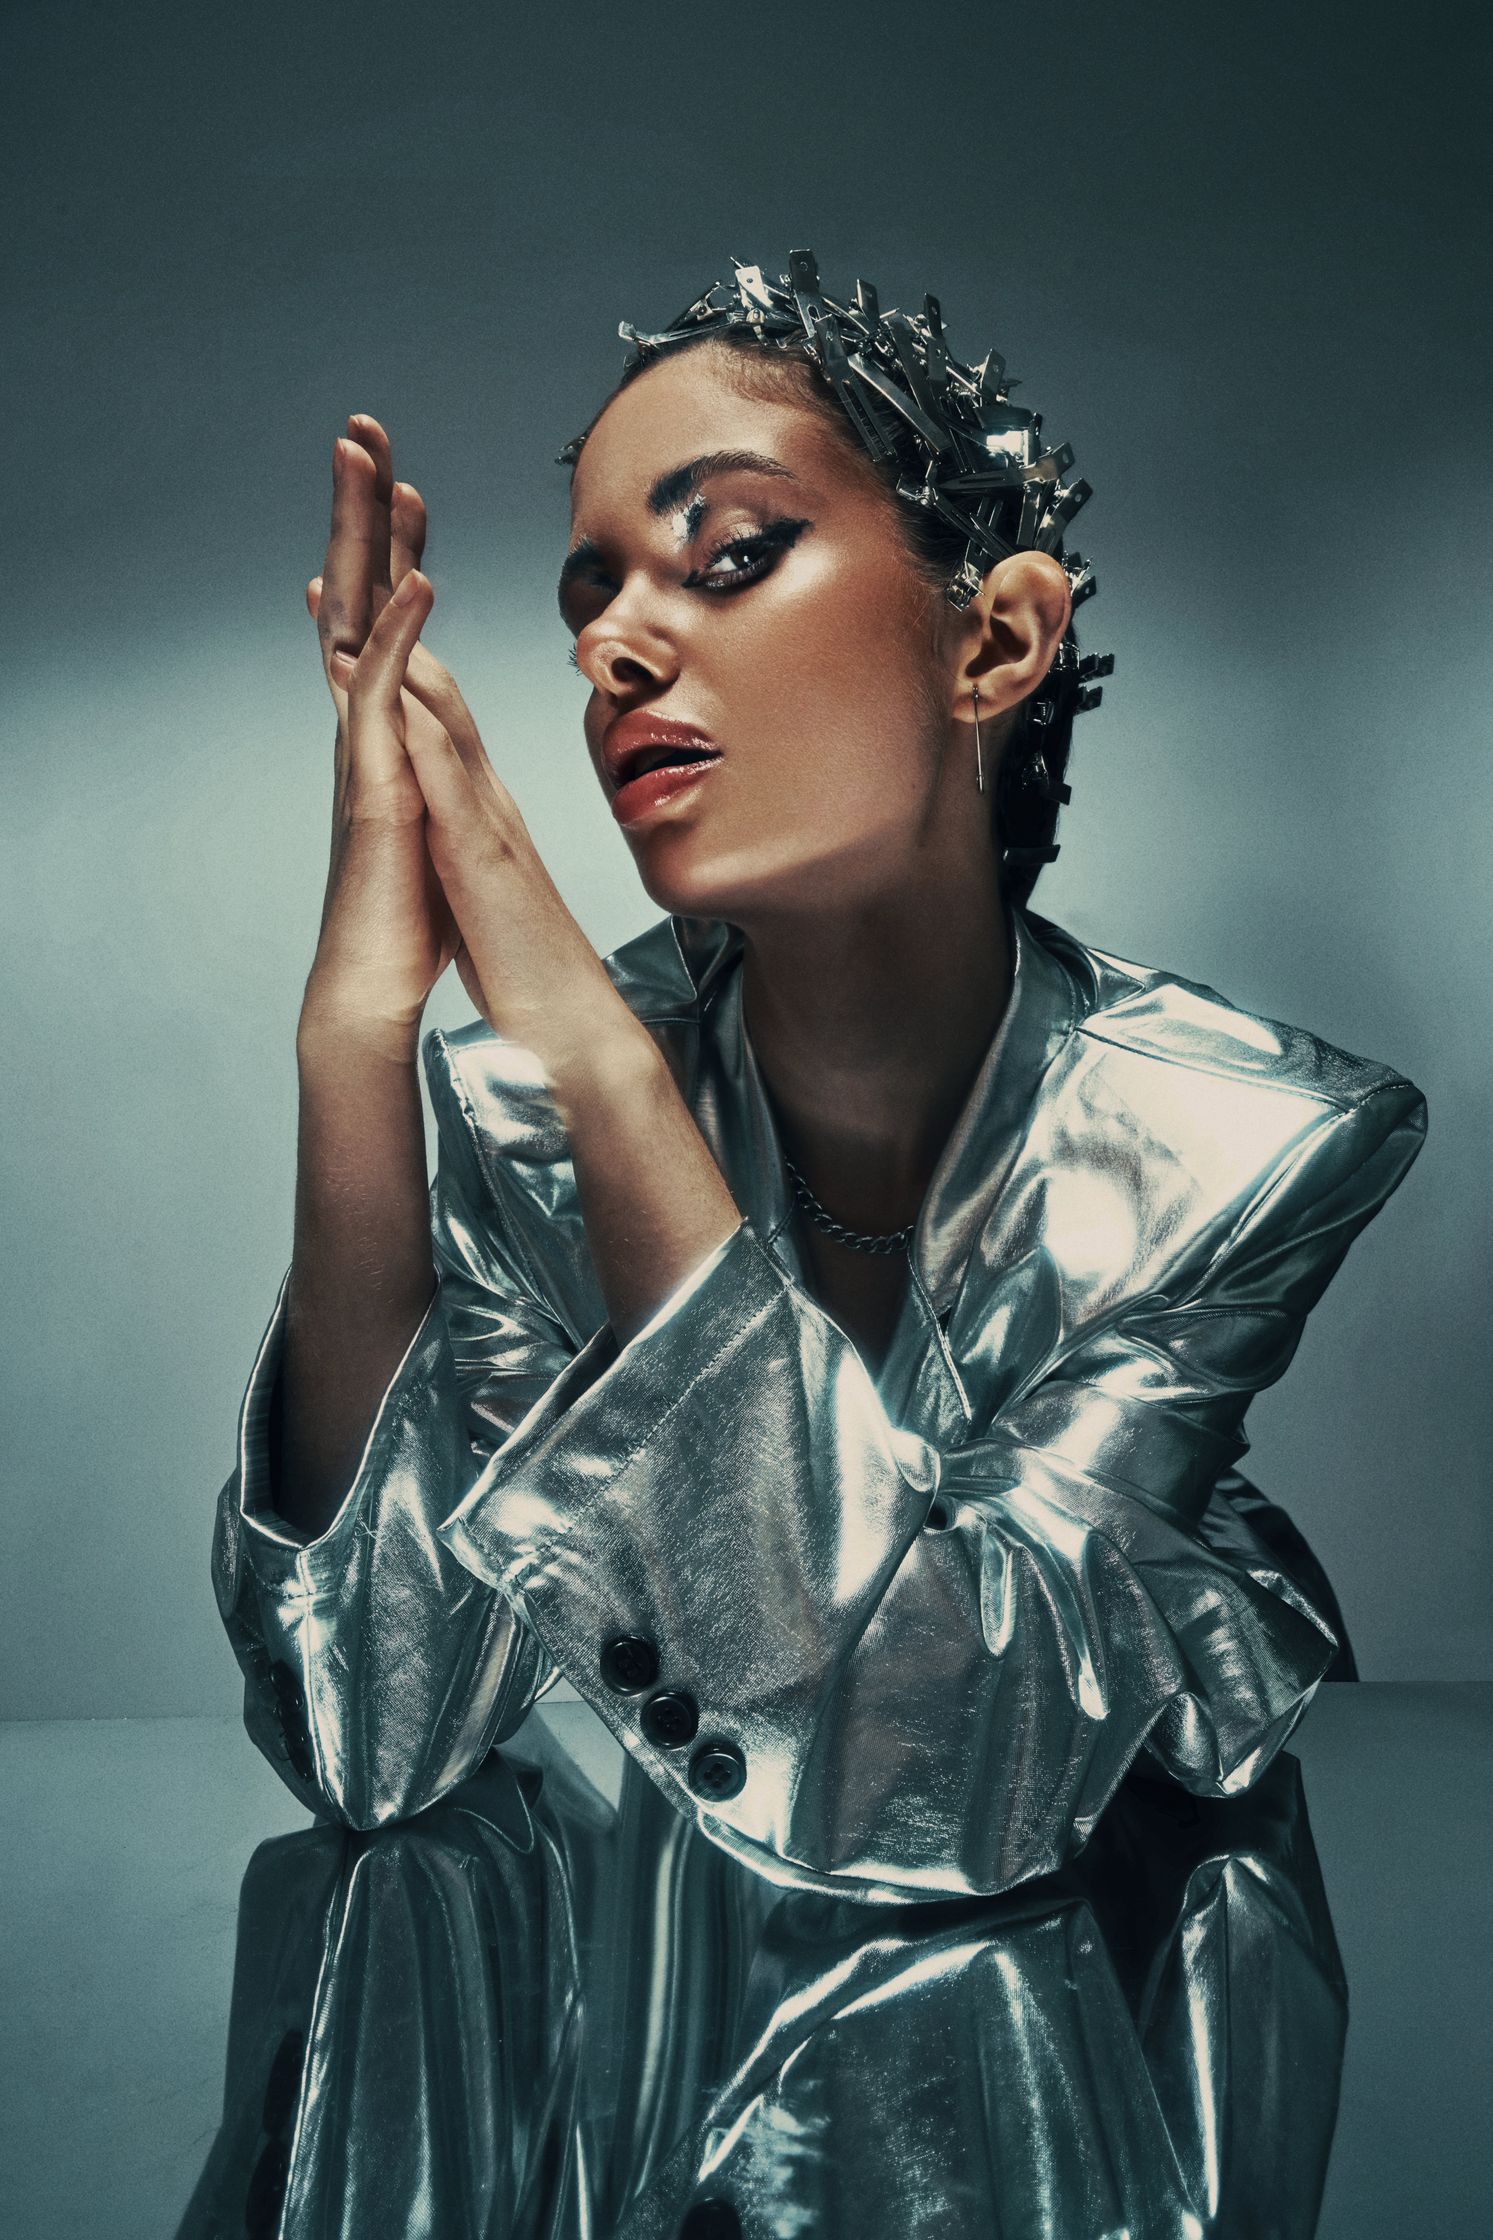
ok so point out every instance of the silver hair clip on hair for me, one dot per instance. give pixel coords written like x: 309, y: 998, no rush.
x: 955, y: 442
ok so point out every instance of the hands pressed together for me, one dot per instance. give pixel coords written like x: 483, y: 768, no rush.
x: 431, y: 862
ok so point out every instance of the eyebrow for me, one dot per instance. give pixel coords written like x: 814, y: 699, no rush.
x: 673, y: 489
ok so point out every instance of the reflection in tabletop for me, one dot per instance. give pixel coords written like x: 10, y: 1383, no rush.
x: 525, y: 2013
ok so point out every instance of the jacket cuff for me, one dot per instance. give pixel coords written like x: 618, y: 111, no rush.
x: 277, y: 1548
x: 378, y: 1671
x: 716, y: 1508
x: 604, y: 1409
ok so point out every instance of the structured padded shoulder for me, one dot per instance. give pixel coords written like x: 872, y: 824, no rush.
x: 1154, y: 1013
x: 1136, y: 1115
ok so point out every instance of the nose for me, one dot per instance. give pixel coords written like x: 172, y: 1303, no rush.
x: 624, y: 655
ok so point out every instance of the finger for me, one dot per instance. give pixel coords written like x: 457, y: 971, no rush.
x: 478, y: 845
x: 371, y: 685
x: 447, y: 784
x: 433, y: 685
x: 408, y: 527
x: 337, y: 679
x: 407, y: 530
x: 473, y: 820
x: 370, y: 433
x: 352, y: 559
x: 428, y: 737
x: 430, y: 682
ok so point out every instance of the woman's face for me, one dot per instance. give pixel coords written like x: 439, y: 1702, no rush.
x: 737, y: 573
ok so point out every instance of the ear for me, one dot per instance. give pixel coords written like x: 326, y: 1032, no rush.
x: 1012, y: 630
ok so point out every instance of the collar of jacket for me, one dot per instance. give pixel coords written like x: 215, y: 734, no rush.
x: 682, y: 976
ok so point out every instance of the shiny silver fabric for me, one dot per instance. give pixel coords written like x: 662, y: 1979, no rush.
x: 937, y: 1612
x: 518, y: 2015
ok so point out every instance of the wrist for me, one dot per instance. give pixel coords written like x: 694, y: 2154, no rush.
x: 333, y: 1034
x: 589, y: 1071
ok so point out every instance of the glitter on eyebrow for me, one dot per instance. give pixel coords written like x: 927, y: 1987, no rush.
x: 689, y: 517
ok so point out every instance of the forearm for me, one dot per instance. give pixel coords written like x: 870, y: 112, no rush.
x: 362, y: 1272
x: 653, y: 1200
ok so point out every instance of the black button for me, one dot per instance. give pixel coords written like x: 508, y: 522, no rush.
x: 629, y: 1664
x: 711, y: 2220
x: 670, y: 1720
x: 717, y: 1770
x: 940, y: 1516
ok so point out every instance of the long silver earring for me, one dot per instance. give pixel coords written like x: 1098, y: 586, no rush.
x: 979, y: 752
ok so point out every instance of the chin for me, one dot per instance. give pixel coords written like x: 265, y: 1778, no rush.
x: 678, y: 887
x: 684, y: 875
x: 740, y: 888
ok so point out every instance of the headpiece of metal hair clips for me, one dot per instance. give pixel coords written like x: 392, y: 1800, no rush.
x: 955, y: 443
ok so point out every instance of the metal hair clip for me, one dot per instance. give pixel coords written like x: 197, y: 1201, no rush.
x: 983, y: 468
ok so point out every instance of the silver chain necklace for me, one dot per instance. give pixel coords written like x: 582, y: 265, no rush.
x: 897, y: 1240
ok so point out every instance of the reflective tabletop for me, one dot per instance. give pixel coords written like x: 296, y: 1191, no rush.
x: 547, y: 2006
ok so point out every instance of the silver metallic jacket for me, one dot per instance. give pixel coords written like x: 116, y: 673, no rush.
x: 912, y: 1629
x: 524, y: 2014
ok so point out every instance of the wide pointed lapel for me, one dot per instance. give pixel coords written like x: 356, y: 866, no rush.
x: 1040, y: 1014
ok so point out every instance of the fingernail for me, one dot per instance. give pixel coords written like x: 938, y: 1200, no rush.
x: 341, y: 665
x: 406, y: 589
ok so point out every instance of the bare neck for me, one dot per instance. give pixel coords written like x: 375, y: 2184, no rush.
x: 869, y: 1028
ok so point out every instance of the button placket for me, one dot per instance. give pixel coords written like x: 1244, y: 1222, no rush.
x: 670, y: 1719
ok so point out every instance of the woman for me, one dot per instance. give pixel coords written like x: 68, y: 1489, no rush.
x: 846, y: 1298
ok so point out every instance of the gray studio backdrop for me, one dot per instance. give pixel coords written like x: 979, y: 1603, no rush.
x: 1234, y: 257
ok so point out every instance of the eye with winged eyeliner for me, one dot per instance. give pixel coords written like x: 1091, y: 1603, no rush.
x: 755, y: 552
x: 756, y: 549
x: 677, y: 491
